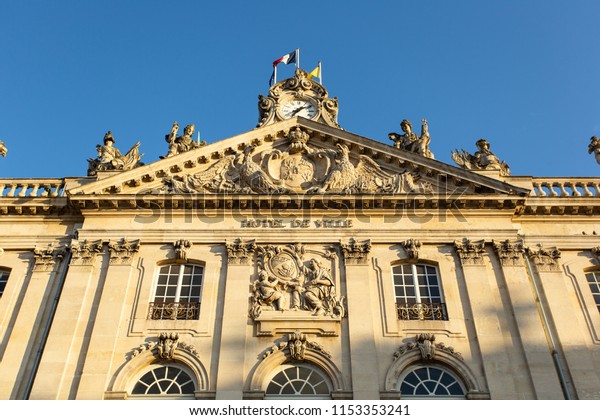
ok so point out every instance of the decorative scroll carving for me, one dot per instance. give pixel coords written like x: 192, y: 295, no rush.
x: 110, y: 158
x: 354, y: 252
x: 545, y: 259
x: 180, y: 144
x: 122, y: 252
x: 167, y: 343
x: 46, y: 258
x: 85, y: 252
x: 297, y: 344
x: 286, y: 282
x: 181, y: 248
x: 424, y: 343
x: 298, y: 168
x: 240, y: 252
x: 470, y: 252
x: 409, y: 141
x: 509, y: 253
x: 3, y: 149
x: 483, y: 159
x: 411, y: 247
x: 594, y: 147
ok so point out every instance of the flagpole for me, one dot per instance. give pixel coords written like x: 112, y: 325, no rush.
x: 275, y: 74
x: 320, y: 73
x: 297, y: 58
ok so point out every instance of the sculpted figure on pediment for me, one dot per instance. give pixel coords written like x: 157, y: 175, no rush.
x: 594, y: 147
x: 180, y: 144
x: 482, y: 159
x: 3, y: 149
x: 409, y: 141
x: 110, y: 158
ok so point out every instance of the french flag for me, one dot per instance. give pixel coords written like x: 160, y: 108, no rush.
x: 286, y: 59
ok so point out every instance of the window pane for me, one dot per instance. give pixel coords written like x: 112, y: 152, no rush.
x: 429, y: 297
x: 164, y: 380
x: 3, y: 280
x: 431, y: 382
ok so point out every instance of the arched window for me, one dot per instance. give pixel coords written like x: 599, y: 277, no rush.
x: 4, y: 273
x: 593, y: 279
x: 431, y: 381
x: 299, y: 381
x: 418, y: 292
x: 178, y: 292
x: 165, y: 380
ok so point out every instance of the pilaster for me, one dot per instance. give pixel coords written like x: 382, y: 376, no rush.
x: 59, y: 361
x: 500, y: 361
x: 230, y: 377
x: 109, y: 318
x: 535, y: 345
x: 24, y: 341
x: 361, y: 331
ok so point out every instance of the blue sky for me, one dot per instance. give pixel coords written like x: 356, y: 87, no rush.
x: 522, y: 74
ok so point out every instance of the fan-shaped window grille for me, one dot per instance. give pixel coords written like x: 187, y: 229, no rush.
x: 431, y: 382
x: 299, y: 381
x: 164, y: 381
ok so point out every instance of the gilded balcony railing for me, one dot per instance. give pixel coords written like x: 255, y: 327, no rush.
x: 174, y: 310
x: 421, y: 311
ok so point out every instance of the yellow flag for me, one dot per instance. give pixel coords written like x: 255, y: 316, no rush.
x: 315, y: 73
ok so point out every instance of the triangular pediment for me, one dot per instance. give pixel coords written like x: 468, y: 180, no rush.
x: 296, y: 157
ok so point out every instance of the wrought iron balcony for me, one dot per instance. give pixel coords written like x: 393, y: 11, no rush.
x: 422, y: 311
x: 174, y: 310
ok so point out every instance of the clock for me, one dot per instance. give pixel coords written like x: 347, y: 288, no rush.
x: 298, y: 107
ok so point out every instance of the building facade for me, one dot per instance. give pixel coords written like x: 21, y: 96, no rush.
x: 298, y: 260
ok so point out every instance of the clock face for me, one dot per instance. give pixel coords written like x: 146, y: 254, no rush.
x: 299, y: 108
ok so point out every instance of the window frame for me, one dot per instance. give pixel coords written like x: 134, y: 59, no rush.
x: 426, y: 308
x: 596, y: 283
x: 445, y: 371
x: 4, y: 280
x: 155, y: 366
x: 287, y: 366
x: 189, y: 309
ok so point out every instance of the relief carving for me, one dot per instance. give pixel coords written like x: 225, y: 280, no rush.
x: 470, y: 252
x: 300, y: 168
x: 545, y: 259
x: 288, y: 282
x: 411, y: 247
x: 483, y: 159
x: 165, y: 346
x: 509, y: 253
x: 167, y: 343
x: 181, y: 248
x: 424, y: 343
x: 354, y: 252
x: 410, y: 142
x: 297, y: 344
x: 110, y: 158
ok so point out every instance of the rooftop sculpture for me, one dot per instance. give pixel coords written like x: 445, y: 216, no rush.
x: 110, y: 158
x: 410, y: 141
x: 483, y: 159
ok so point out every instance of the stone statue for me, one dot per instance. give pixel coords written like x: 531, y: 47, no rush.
x: 3, y: 149
x: 594, y: 147
x: 110, y: 158
x: 180, y: 144
x: 410, y: 141
x: 483, y: 159
x: 266, y: 290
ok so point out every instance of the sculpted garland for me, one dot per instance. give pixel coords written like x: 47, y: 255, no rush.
x: 300, y: 168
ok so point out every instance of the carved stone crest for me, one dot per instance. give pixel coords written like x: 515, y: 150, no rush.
x: 411, y: 247
x: 424, y: 343
x: 297, y: 344
x: 287, y: 281
x: 181, y: 248
x: 167, y: 343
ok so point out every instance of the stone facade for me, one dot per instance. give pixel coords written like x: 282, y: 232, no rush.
x: 294, y: 249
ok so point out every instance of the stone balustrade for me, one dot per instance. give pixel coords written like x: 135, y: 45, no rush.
x: 565, y: 187
x: 31, y: 187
